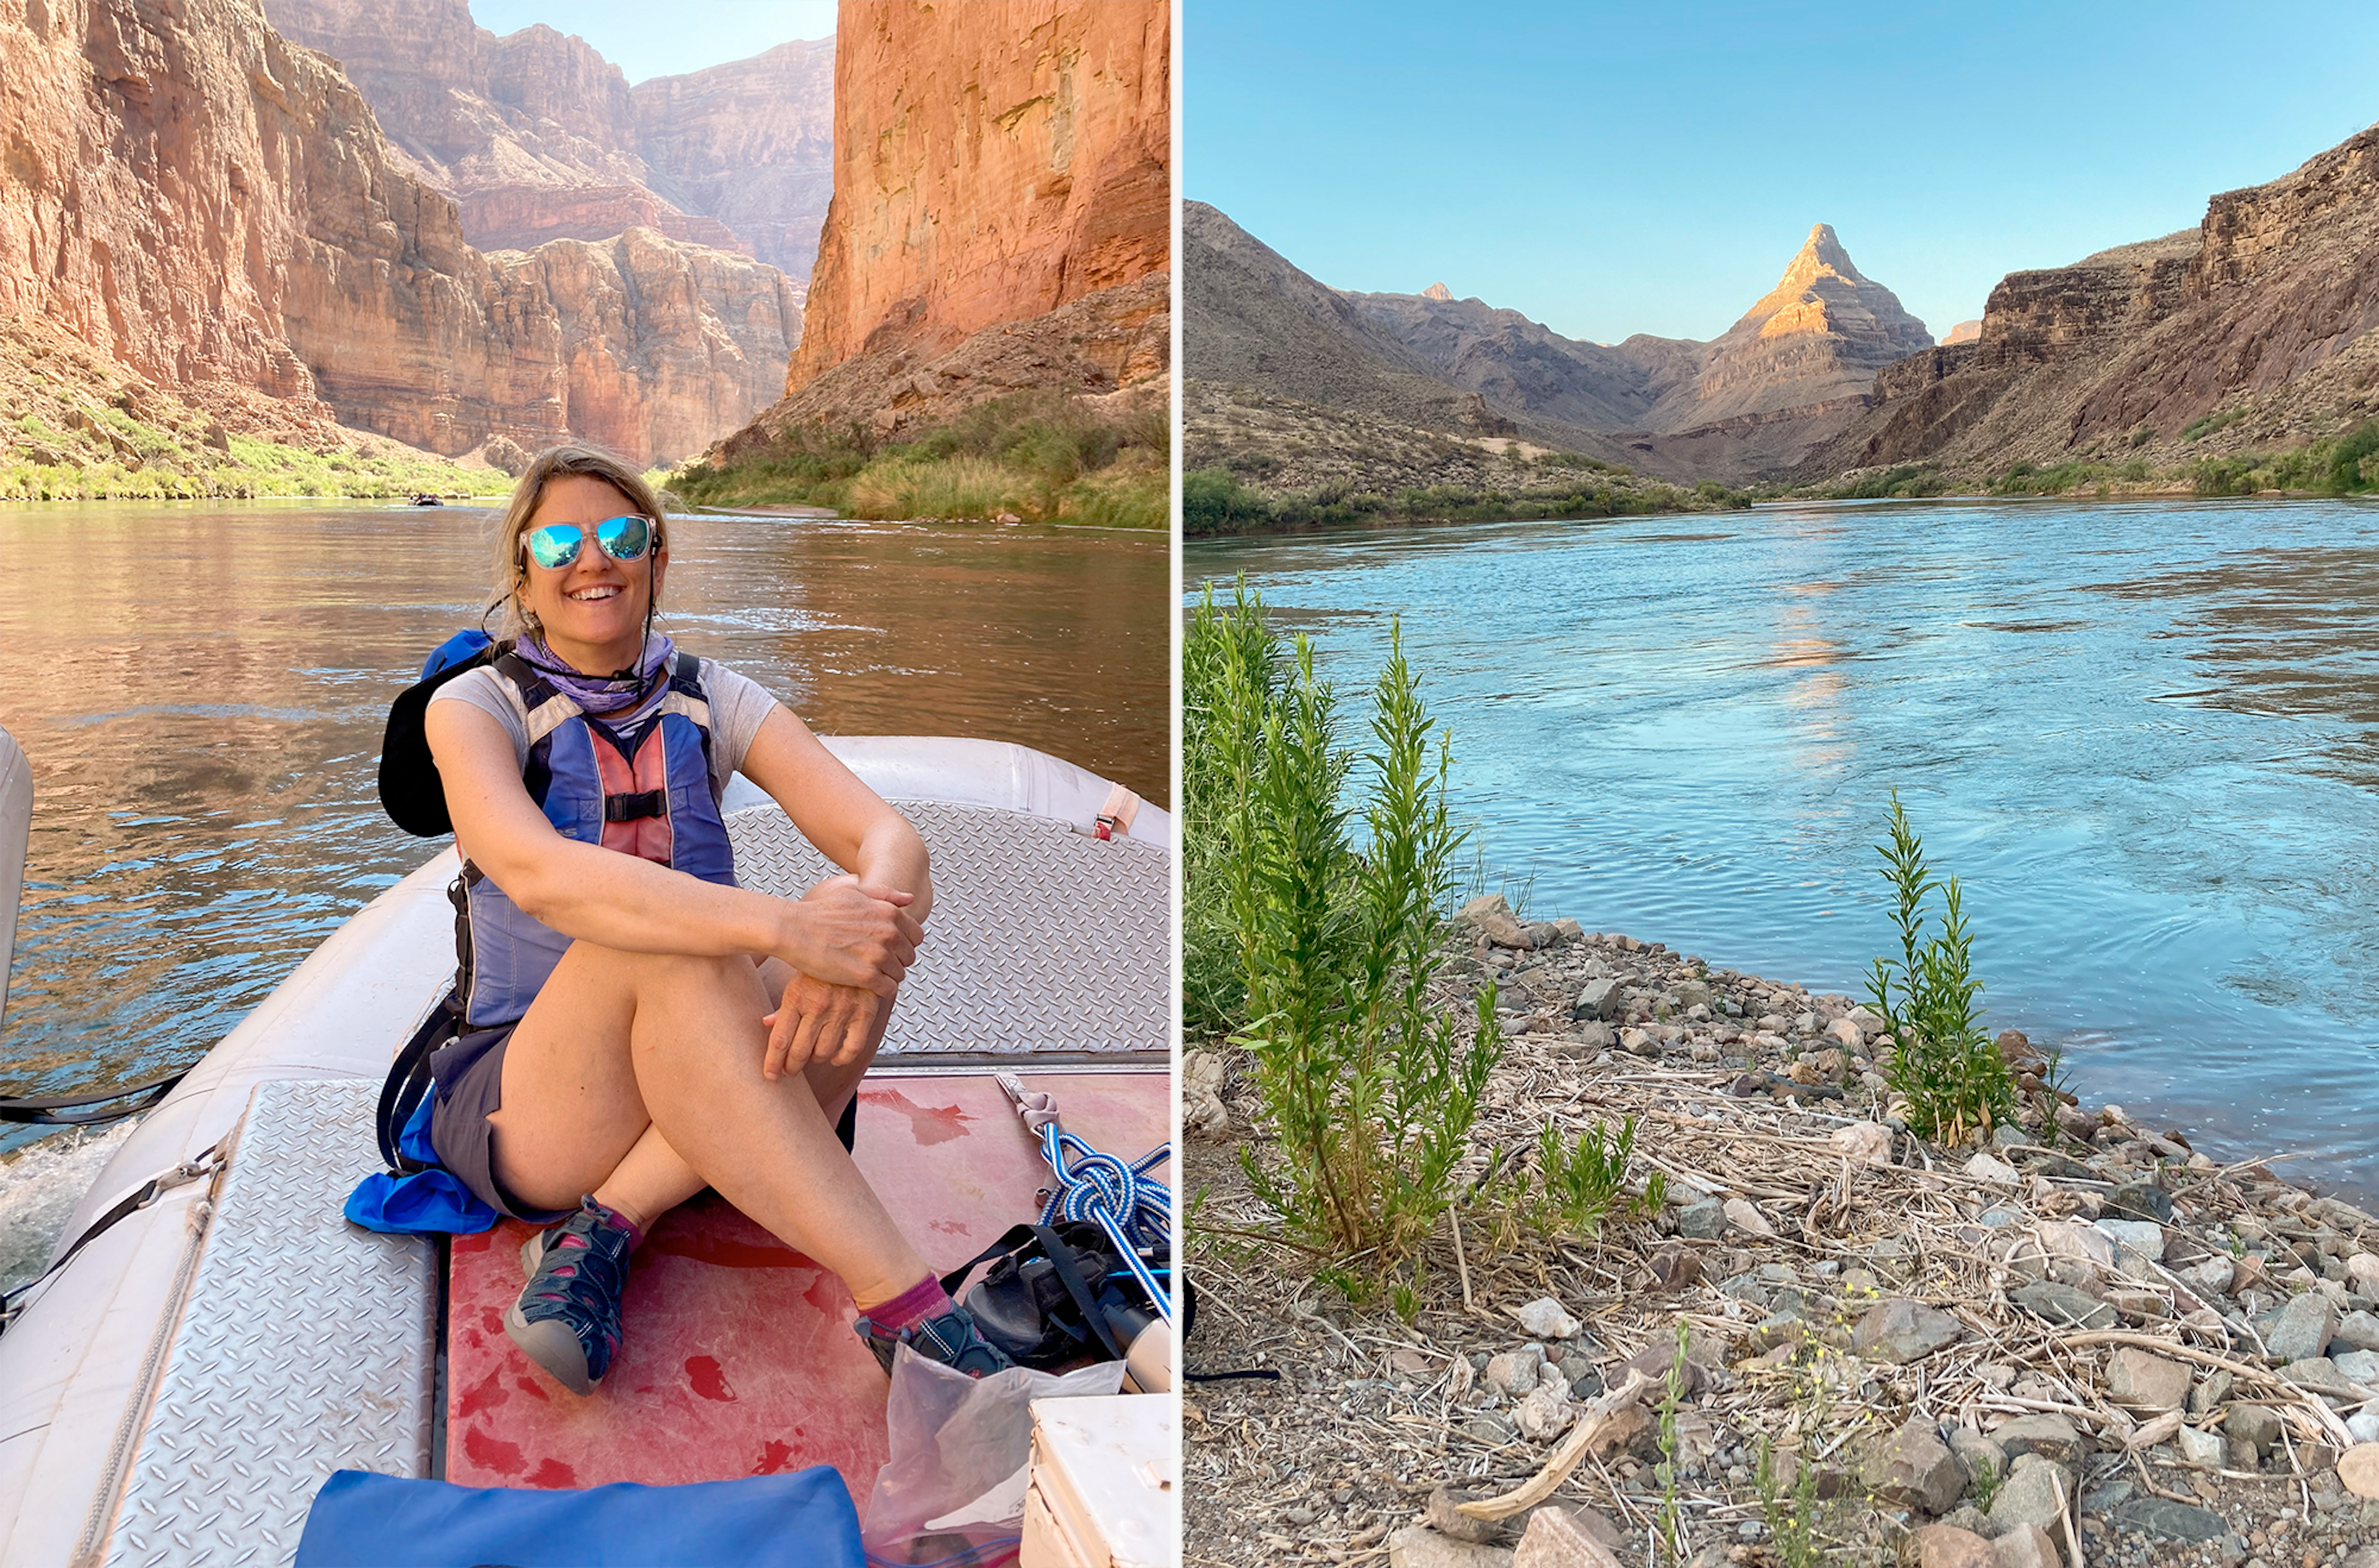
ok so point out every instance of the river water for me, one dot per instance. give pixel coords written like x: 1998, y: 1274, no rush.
x: 2144, y: 737
x: 202, y: 690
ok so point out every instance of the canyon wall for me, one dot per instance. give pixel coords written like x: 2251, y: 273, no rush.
x: 992, y: 163
x: 215, y: 209
x: 538, y: 136
x: 665, y: 345
x: 749, y: 145
x: 2266, y: 315
x: 1790, y: 374
x: 212, y: 207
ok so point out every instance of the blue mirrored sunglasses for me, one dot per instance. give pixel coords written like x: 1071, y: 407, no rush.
x: 556, y: 545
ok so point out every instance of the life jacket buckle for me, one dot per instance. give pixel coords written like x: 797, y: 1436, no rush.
x: 631, y: 807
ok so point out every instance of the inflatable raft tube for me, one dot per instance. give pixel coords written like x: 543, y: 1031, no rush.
x: 170, y: 1395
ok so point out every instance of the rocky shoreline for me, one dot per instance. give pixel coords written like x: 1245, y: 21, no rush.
x: 2079, y: 1341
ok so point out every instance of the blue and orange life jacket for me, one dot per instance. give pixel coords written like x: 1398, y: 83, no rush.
x: 645, y: 789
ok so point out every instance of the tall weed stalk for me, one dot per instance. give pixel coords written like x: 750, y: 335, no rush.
x: 1232, y: 670
x: 1371, y: 1088
x: 1946, y: 1066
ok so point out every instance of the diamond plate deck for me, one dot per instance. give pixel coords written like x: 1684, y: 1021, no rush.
x: 1044, y: 942
x: 306, y: 1346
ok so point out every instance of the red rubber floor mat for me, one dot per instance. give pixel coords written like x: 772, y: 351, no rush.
x: 738, y: 1357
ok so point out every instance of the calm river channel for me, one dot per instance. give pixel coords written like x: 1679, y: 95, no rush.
x: 2144, y: 737
x: 201, y: 689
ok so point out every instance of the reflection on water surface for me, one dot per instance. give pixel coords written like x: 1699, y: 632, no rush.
x: 2145, y: 737
x: 202, y: 690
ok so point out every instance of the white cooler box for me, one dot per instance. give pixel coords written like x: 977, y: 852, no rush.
x: 1107, y: 1483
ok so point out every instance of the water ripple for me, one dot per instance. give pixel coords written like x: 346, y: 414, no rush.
x: 2145, y: 736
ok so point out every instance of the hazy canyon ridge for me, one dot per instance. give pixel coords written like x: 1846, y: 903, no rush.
x: 209, y: 232
x: 2253, y: 334
x: 1791, y: 373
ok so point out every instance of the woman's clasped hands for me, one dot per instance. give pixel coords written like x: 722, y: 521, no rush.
x: 854, y: 944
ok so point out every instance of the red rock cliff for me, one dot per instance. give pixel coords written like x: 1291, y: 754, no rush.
x: 214, y: 207
x: 749, y: 143
x: 993, y: 161
x: 665, y: 345
x: 538, y: 136
x: 206, y: 203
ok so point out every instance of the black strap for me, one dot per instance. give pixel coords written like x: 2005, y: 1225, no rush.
x: 130, y: 1203
x: 1012, y: 1238
x: 409, y: 1080
x: 44, y: 1111
x: 1069, y: 1269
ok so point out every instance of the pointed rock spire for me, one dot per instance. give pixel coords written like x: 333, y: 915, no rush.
x: 1823, y: 252
x: 1437, y: 292
x: 1819, y: 336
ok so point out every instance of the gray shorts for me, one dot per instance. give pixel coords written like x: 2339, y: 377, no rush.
x: 469, y: 1073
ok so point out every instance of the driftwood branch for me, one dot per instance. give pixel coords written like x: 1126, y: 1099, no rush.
x: 1547, y: 1481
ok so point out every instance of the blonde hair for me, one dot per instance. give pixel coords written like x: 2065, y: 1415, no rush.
x: 570, y: 458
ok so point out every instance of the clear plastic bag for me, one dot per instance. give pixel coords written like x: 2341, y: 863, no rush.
x: 952, y: 1494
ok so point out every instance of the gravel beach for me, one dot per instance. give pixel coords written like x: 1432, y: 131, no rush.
x: 2075, y: 1340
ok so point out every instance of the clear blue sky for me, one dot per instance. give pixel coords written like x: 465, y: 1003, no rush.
x: 1610, y: 169
x: 647, y: 39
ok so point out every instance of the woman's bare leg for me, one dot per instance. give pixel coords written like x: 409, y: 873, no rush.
x: 636, y: 1076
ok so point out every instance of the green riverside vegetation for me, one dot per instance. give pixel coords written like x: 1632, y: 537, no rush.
x: 1037, y: 457
x: 1215, y: 501
x: 1315, y: 924
x: 2345, y: 464
x: 151, y: 463
x: 1372, y: 1087
x: 1953, y: 1077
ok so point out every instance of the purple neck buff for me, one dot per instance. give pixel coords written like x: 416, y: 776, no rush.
x: 598, y: 694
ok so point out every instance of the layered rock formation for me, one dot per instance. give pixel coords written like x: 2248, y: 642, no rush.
x: 1518, y: 365
x: 538, y: 136
x: 2266, y: 314
x: 1791, y: 373
x: 212, y: 207
x: 1814, y: 341
x: 750, y: 144
x: 215, y: 209
x: 664, y: 344
x: 1250, y: 318
x: 1001, y: 212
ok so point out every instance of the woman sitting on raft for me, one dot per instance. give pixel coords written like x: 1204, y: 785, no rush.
x: 636, y: 1027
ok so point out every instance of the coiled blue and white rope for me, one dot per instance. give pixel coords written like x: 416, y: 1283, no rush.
x: 1123, y: 1200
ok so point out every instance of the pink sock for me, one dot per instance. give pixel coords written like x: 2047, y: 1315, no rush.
x: 635, y: 1233
x: 924, y: 1299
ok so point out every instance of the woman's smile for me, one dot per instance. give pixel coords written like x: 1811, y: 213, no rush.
x: 592, y: 611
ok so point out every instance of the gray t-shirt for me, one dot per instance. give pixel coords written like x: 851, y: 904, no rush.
x: 738, y: 705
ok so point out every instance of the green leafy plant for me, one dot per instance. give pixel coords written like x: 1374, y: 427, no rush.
x: 1670, y: 1528
x: 1232, y: 668
x: 1582, y: 1182
x: 1953, y: 1075
x: 1370, y: 1088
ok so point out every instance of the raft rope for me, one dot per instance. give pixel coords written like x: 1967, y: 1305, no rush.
x: 1134, y: 1208
x: 198, y: 1167
x: 59, y: 1110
